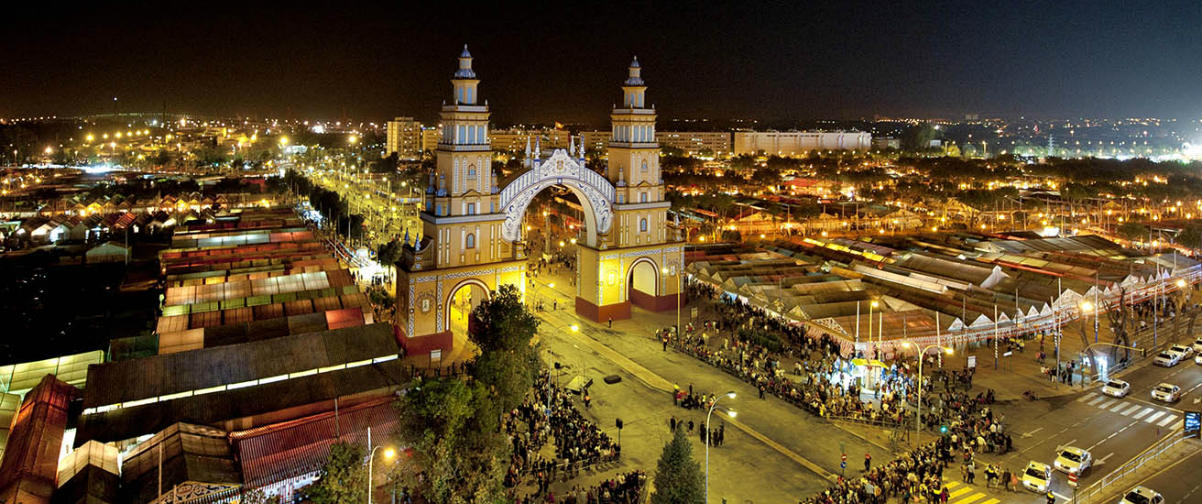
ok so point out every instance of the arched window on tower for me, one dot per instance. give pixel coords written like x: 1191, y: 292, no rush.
x: 469, y: 241
x: 643, y: 225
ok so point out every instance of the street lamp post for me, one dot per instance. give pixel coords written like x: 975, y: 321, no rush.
x: 708, y: 432
x: 922, y: 352
x: 389, y: 453
x: 872, y: 305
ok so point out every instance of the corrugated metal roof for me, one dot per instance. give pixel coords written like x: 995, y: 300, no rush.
x: 131, y: 380
x: 280, y: 451
x: 126, y: 423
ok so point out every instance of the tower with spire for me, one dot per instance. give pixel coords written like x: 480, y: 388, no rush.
x: 460, y: 208
x: 634, y: 166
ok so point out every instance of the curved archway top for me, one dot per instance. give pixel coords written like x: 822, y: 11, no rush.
x: 596, y: 193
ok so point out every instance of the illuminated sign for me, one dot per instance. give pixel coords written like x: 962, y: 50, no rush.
x: 1192, y: 421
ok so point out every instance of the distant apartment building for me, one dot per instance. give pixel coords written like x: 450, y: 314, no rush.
x: 885, y: 142
x: 596, y: 140
x: 430, y: 137
x: 798, y: 143
x: 404, y: 138
x: 692, y: 143
x: 514, y: 139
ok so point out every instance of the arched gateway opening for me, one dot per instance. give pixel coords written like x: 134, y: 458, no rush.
x: 643, y: 284
x: 464, y: 298
x: 593, y: 191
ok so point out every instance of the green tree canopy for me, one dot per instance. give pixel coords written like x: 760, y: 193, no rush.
x: 343, y: 479
x: 1133, y: 231
x: 678, y: 478
x: 389, y: 253
x: 453, y: 459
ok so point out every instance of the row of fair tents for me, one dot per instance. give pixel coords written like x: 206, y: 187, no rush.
x: 958, y: 304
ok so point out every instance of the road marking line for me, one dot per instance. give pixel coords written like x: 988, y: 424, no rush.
x: 1107, y: 403
x: 1118, y: 407
x: 1130, y: 410
x: 971, y: 498
x: 1032, y: 433
x: 961, y: 491
x: 1167, y: 420
x: 1096, y: 400
x: 951, y: 484
x: 991, y: 501
x: 1087, y: 397
x: 1103, y: 459
x: 1061, y: 496
x: 1142, y: 413
x: 1152, y: 418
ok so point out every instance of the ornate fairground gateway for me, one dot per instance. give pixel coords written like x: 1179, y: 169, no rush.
x: 472, y: 239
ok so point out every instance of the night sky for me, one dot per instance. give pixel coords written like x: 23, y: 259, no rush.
x: 548, y: 62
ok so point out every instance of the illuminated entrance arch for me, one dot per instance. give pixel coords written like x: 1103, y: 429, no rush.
x: 471, y: 236
x: 595, y: 192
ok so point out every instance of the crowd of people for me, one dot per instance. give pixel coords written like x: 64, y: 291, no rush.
x: 822, y: 383
x: 817, y: 382
x: 626, y: 488
x: 917, y: 476
x: 548, y: 415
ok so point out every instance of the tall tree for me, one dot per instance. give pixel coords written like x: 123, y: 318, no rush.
x: 678, y: 478
x: 453, y: 460
x: 502, y: 327
x: 343, y: 479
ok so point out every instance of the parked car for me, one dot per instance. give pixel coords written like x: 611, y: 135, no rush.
x: 1073, y: 460
x: 1198, y: 346
x: 1037, y: 477
x: 1167, y: 359
x: 1166, y: 392
x: 1116, y: 388
x: 1185, y: 351
x: 1198, y: 359
x: 1142, y: 495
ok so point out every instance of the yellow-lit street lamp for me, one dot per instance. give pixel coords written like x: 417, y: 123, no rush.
x: 389, y: 454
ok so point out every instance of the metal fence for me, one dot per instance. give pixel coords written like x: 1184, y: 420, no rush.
x: 1104, y: 487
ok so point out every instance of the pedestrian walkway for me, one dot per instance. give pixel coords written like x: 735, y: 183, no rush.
x: 1134, y: 410
x: 962, y: 493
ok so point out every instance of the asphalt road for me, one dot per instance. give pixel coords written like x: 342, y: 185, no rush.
x: 1180, y: 483
x: 1112, y: 430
